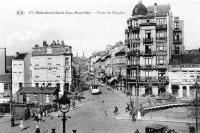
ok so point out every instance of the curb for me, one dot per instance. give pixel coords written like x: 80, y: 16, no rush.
x: 154, y: 119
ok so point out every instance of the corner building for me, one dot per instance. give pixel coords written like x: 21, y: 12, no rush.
x: 149, y: 42
x: 52, y: 66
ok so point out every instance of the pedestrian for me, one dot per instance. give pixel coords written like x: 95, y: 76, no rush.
x: 139, y: 115
x: 137, y: 131
x: 12, y: 122
x: 39, y: 117
x: 37, y: 129
x: 116, y: 110
x: 21, y: 125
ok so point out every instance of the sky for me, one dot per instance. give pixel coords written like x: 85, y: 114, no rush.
x: 101, y: 23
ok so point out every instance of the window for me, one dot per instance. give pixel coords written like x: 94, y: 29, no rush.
x: 58, y: 86
x: 24, y: 99
x: 161, y: 46
x: 49, y: 84
x: 20, y: 85
x: 161, y: 60
x: 147, y: 49
x: 27, y: 98
x: 37, y: 76
x: 47, y: 98
x: 43, y: 85
x: 161, y: 21
x: 161, y: 73
x: 36, y: 84
x: 176, y: 25
x: 148, y: 34
x: 66, y: 61
x: 148, y: 61
x: 161, y: 35
x: 20, y: 76
x: 132, y: 73
x: 35, y: 98
x: 58, y: 76
x: 148, y: 74
x: 133, y: 60
x: 36, y: 64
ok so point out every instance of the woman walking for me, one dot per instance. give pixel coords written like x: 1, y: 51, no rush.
x: 21, y: 125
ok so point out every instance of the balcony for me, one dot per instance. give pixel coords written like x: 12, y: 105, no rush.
x: 148, y: 40
x: 161, y: 26
x: 148, y: 53
x: 159, y: 66
x: 135, y: 40
x: 177, y: 41
x: 133, y: 66
x: 161, y: 39
x: 177, y: 29
x: 161, y: 52
x: 135, y: 28
x: 154, y: 79
x: 148, y: 24
x: 133, y: 52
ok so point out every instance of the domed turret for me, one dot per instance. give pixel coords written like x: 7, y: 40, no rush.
x: 139, y: 9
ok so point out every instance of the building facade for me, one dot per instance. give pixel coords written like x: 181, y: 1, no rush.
x: 37, y: 95
x: 2, y: 60
x: 21, y: 73
x: 184, y: 72
x: 178, y: 37
x: 149, y: 39
x: 51, y: 66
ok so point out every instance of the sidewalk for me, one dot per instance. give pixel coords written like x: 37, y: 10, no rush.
x: 125, y: 116
x: 6, y: 118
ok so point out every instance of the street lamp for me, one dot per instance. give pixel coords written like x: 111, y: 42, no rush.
x: 64, y: 105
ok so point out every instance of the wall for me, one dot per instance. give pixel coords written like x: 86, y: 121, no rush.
x: 2, y: 60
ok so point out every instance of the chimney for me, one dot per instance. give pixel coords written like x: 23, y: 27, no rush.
x: 44, y: 43
x: 17, y: 53
x: 155, y: 8
x: 62, y: 42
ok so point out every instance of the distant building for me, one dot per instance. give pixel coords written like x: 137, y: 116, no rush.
x: 193, y: 51
x: 2, y: 60
x: 51, y: 66
x: 37, y: 95
x: 9, y: 63
x: 184, y: 72
x: 178, y: 37
x: 5, y: 87
x: 21, y: 73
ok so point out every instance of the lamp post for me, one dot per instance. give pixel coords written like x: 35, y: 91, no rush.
x: 64, y: 105
x: 196, y: 104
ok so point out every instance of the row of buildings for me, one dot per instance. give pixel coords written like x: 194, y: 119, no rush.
x: 153, y: 59
x: 46, y: 70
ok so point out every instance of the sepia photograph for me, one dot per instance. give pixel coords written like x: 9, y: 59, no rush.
x: 99, y: 66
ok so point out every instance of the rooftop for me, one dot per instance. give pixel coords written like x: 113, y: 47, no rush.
x: 141, y: 11
x: 185, y: 59
x: 37, y: 90
x: 20, y: 56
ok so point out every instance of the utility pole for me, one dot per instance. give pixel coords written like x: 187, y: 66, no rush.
x: 196, y: 105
